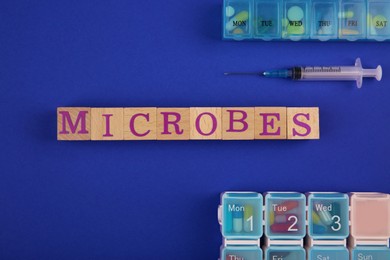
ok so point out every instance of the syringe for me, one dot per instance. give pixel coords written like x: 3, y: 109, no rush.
x: 356, y: 73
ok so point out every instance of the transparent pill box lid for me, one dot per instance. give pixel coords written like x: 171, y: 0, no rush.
x: 285, y: 215
x: 328, y: 215
x: 241, y: 215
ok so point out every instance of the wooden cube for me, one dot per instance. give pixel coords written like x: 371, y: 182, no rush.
x: 173, y: 123
x: 270, y: 123
x: 139, y: 123
x: 73, y: 123
x: 205, y: 123
x: 303, y: 123
x: 238, y: 123
x: 107, y: 123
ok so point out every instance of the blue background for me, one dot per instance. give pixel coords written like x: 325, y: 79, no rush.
x: 155, y: 199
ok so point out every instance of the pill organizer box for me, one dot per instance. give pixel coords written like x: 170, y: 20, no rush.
x: 306, y: 20
x: 312, y: 226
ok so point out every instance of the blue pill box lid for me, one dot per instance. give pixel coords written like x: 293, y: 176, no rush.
x: 241, y: 215
x: 237, y: 16
x: 378, y: 14
x: 328, y: 215
x: 285, y: 215
x: 268, y: 19
x: 324, y: 19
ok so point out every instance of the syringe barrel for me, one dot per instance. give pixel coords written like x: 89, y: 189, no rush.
x: 333, y: 73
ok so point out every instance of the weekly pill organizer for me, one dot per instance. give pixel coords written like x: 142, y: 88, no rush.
x: 306, y: 20
x: 296, y: 226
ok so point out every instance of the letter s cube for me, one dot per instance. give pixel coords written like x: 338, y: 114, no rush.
x: 303, y: 123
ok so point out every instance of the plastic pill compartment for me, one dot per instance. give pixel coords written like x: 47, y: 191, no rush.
x: 241, y: 218
x: 328, y: 215
x: 285, y: 215
x: 306, y: 20
x: 243, y: 215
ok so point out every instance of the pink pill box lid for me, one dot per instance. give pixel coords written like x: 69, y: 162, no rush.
x: 370, y: 215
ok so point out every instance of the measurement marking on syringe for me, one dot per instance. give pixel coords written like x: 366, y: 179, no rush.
x: 322, y: 69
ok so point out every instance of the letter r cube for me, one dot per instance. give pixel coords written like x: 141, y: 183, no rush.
x: 173, y: 123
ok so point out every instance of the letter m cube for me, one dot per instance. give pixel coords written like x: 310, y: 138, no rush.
x: 73, y: 123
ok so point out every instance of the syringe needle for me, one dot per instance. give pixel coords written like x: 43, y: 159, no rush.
x: 242, y: 73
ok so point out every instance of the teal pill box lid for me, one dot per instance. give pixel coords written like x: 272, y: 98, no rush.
x: 328, y: 253
x: 285, y: 215
x: 236, y: 19
x: 295, y: 21
x: 352, y: 20
x: 324, y: 19
x: 328, y: 215
x: 267, y: 19
x: 285, y: 253
x: 370, y: 253
x: 241, y: 252
x: 378, y: 27
x: 241, y: 215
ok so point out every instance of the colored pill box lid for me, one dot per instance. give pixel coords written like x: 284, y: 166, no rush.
x: 242, y: 215
x: 378, y: 19
x: 237, y: 16
x: 328, y: 215
x: 353, y: 27
x: 241, y: 252
x: 295, y: 23
x: 370, y: 253
x: 324, y: 23
x: 328, y: 253
x: 267, y: 19
x: 370, y: 215
x: 285, y: 253
x: 285, y: 215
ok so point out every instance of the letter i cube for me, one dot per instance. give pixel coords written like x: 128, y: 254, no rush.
x: 107, y: 124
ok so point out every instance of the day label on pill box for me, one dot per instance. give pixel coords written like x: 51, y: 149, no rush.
x: 285, y: 253
x: 328, y: 253
x: 370, y: 253
x: 328, y: 215
x: 242, y: 253
x: 285, y: 215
